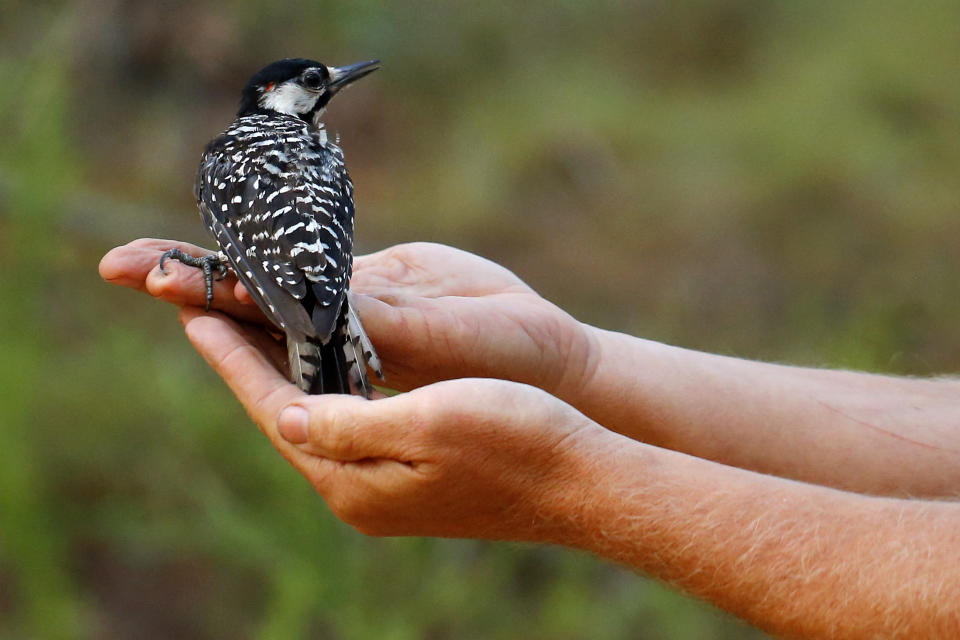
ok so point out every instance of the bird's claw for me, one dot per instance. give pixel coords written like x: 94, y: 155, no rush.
x: 205, y: 263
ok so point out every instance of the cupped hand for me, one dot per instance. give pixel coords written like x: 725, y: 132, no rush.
x: 437, y: 313
x: 433, y: 313
x: 466, y: 458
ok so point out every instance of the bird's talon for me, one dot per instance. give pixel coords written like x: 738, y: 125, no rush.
x: 169, y: 254
x: 206, y: 264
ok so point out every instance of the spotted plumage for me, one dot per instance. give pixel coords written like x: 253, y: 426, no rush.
x: 274, y: 192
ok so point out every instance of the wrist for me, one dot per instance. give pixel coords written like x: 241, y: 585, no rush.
x: 634, y: 386
x: 596, y: 383
x: 579, y: 357
x: 564, y: 501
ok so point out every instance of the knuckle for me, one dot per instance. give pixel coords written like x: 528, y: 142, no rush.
x: 424, y: 417
x: 146, y: 243
x: 400, y: 252
x: 237, y: 352
x: 336, y: 432
x: 403, y: 262
x: 266, y: 400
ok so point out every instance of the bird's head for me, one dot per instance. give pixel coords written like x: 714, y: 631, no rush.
x: 299, y: 87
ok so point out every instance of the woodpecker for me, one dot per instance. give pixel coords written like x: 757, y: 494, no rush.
x: 274, y: 192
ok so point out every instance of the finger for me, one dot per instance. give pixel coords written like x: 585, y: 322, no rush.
x: 272, y: 346
x: 431, y: 270
x: 350, y: 428
x: 260, y: 387
x: 407, y: 428
x: 398, y: 326
x: 128, y: 265
x: 422, y: 340
x: 184, y: 285
x: 162, y: 244
x: 242, y: 295
x: 136, y: 265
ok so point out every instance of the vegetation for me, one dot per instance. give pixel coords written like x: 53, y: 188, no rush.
x: 767, y: 179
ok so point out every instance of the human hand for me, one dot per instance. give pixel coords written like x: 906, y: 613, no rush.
x: 137, y: 265
x: 465, y: 458
x: 433, y: 313
x: 437, y: 313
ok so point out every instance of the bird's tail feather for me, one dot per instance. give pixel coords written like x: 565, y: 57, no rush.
x: 305, y: 362
x: 360, y: 352
x: 337, y: 365
x: 318, y: 368
x: 334, y: 369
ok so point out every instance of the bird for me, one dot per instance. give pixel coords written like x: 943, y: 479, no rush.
x: 274, y: 192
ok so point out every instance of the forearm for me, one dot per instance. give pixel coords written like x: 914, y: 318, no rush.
x: 792, y: 558
x: 855, y: 431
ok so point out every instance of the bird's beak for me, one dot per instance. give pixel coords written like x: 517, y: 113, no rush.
x: 342, y: 76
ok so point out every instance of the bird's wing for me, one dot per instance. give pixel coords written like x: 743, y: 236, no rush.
x: 219, y: 214
x: 318, y: 228
x: 283, y: 215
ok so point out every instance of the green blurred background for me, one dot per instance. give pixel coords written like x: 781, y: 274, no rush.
x: 773, y: 180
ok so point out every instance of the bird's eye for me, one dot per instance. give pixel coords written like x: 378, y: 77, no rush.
x: 312, y: 79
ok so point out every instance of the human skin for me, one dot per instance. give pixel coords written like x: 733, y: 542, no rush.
x: 488, y: 458
x: 438, y: 313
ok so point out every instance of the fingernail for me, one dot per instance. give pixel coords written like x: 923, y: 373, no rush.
x: 292, y: 424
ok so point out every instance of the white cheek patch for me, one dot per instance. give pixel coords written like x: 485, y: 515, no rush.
x: 289, y: 98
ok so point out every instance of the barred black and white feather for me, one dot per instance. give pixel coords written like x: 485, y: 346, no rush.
x: 275, y: 194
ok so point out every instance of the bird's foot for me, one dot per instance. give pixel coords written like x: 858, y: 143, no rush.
x: 207, y: 263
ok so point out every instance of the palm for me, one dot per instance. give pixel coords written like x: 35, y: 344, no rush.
x: 433, y: 312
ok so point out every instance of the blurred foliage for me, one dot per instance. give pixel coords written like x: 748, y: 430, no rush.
x: 769, y: 179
